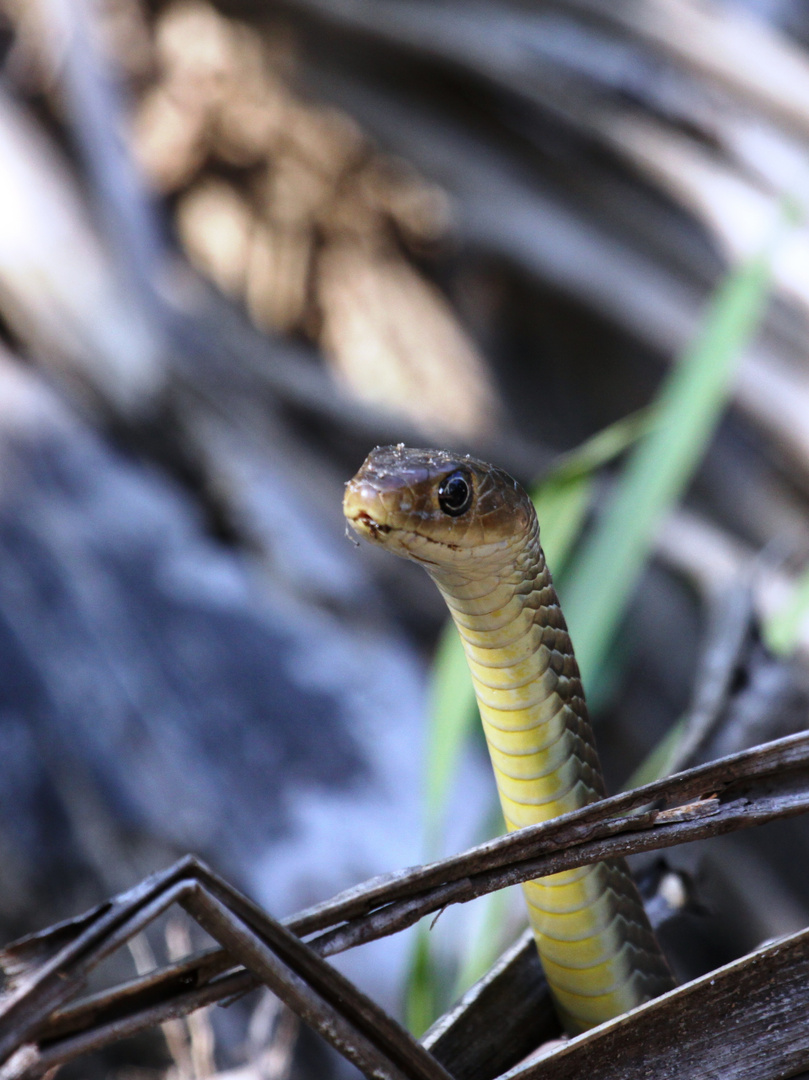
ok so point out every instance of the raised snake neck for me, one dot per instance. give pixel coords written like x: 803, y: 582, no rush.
x: 598, y: 951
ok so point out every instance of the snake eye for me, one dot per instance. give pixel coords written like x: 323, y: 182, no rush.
x: 455, y: 493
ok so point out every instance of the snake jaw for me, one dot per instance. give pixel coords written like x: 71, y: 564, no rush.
x: 367, y: 526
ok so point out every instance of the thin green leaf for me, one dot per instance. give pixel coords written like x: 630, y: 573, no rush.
x: 783, y: 629
x: 562, y: 503
x: 657, y: 764
x: 420, y: 999
x: 674, y: 439
x: 689, y: 406
x: 452, y: 714
x: 603, y: 447
x: 486, y: 943
x: 563, y: 497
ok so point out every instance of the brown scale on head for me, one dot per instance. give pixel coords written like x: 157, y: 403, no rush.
x: 450, y: 513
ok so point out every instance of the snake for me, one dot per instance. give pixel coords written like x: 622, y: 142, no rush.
x: 475, y: 531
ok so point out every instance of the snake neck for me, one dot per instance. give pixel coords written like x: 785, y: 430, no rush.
x: 596, y: 946
x: 527, y: 684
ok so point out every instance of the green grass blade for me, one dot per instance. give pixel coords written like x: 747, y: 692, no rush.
x: 452, y: 715
x: 657, y: 764
x: 688, y: 409
x: 782, y: 629
x: 562, y: 504
x: 485, y: 945
x: 563, y: 497
x: 600, y: 449
x: 422, y: 984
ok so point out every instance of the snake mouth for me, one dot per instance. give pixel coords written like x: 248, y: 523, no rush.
x: 371, y: 529
x: 368, y: 526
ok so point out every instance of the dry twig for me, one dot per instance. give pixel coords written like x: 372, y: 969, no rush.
x: 46, y: 970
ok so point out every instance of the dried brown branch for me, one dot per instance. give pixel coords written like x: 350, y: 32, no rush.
x: 166, y: 994
x: 746, y: 1020
x: 736, y: 792
x: 499, y: 1020
x: 47, y: 969
x: 321, y: 996
x: 732, y: 626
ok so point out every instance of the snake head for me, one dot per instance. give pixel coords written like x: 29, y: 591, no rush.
x: 452, y: 513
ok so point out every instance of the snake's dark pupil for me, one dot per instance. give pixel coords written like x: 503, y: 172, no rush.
x: 455, y: 494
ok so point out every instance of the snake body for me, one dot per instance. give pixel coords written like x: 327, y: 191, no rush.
x: 475, y: 531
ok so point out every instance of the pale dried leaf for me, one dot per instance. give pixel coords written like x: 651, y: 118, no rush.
x: 394, y: 339
x: 216, y: 226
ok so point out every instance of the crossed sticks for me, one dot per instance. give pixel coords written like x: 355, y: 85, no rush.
x: 494, y: 1027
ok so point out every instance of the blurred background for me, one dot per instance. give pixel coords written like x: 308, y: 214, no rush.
x: 242, y: 242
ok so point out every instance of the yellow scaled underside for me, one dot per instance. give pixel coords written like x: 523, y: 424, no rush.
x: 583, y: 938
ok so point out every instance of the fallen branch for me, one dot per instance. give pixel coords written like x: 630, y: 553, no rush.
x: 46, y: 970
